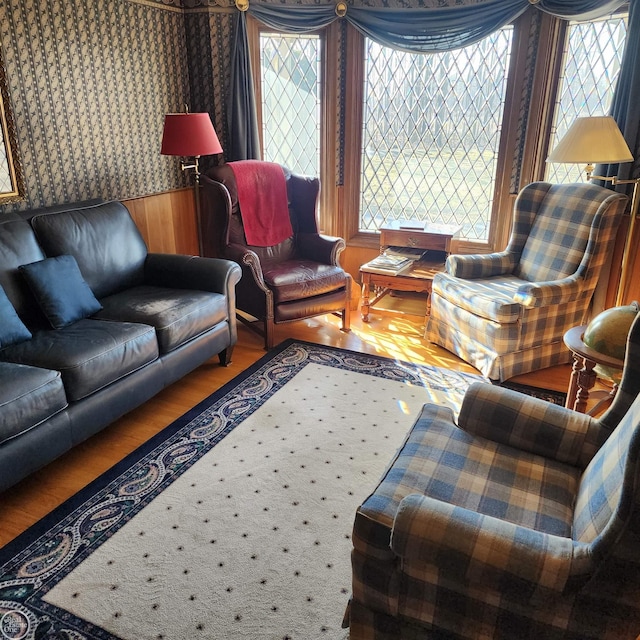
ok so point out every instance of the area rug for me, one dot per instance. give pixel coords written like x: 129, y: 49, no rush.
x: 235, y: 521
x: 555, y: 397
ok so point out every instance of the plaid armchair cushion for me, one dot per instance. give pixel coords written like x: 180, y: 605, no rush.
x: 490, y: 298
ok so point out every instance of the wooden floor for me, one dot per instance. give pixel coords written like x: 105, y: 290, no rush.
x: 22, y: 505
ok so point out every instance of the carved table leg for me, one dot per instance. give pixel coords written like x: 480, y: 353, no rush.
x: 586, y: 380
x: 578, y: 363
x: 364, y: 307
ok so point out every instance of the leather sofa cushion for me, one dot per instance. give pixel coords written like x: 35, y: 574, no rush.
x: 296, y: 279
x: 90, y: 354
x: 28, y: 397
x: 178, y: 315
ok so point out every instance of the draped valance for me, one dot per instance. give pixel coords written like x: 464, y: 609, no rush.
x: 424, y: 29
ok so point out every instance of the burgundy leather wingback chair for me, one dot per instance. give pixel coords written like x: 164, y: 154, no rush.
x: 298, y: 278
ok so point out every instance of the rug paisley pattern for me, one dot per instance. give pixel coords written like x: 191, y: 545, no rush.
x: 234, y: 522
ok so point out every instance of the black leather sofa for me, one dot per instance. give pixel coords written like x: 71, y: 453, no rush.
x: 158, y: 316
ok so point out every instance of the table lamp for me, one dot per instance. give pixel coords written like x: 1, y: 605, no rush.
x: 190, y: 135
x: 598, y: 139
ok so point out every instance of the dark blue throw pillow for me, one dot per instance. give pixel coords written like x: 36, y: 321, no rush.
x: 60, y: 290
x: 12, y: 330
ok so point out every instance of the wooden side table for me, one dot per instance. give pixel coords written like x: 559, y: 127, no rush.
x: 418, y: 280
x: 583, y: 377
x: 434, y: 237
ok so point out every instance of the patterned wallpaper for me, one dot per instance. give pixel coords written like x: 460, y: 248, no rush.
x: 90, y: 82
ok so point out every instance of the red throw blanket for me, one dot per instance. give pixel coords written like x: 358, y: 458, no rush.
x: 264, y: 205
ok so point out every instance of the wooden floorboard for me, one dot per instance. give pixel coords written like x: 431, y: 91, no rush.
x: 400, y: 338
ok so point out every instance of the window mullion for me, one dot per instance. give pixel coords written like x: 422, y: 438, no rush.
x: 352, y: 143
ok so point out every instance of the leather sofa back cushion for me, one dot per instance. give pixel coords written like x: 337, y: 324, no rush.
x: 18, y: 245
x: 103, y: 239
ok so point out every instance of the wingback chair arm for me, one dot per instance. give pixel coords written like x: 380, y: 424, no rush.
x: 480, y: 549
x: 249, y: 261
x: 319, y: 248
x: 544, y: 294
x: 529, y: 424
x: 480, y: 265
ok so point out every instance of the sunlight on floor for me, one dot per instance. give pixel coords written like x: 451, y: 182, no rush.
x: 401, y: 338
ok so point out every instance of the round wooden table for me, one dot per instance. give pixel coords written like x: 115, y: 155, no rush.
x: 583, y: 377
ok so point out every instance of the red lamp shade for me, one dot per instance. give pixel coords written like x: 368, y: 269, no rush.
x: 189, y: 134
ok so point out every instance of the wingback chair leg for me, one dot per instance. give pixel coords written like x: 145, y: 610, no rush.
x: 346, y: 318
x: 346, y: 312
x: 269, y: 322
x: 269, y: 330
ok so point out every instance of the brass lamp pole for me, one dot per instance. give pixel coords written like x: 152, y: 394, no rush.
x: 190, y: 135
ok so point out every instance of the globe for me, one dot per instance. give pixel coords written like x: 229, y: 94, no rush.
x: 607, y: 334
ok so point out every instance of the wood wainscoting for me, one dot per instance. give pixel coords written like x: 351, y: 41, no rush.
x: 167, y: 221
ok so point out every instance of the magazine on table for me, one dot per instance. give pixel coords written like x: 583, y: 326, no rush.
x: 388, y: 264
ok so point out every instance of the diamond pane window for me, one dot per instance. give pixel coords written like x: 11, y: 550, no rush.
x: 590, y: 71
x: 290, y: 68
x: 5, y: 176
x: 431, y: 130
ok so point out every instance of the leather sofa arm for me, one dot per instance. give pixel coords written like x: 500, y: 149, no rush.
x: 484, y: 550
x: 529, y: 424
x: 192, y: 272
x: 319, y: 248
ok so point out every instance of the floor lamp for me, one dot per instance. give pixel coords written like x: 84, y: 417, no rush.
x: 598, y: 139
x: 190, y: 135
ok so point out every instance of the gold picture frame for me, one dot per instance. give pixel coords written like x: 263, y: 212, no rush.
x: 12, y: 187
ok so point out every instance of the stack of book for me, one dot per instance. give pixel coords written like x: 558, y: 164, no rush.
x: 393, y: 261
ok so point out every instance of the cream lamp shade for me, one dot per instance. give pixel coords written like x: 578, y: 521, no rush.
x: 592, y: 140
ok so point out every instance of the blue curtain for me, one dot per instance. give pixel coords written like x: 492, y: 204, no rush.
x: 294, y: 18
x: 242, y: 119
x: 625, y: 108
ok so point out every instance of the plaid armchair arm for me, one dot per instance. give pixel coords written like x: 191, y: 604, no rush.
x: 543, y: 294
x: 481, y: 265
x: 480, y: 549
x: 529, y: 424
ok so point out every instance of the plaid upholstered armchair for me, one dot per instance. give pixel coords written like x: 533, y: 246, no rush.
x: 506, y: 313
x: 522, y: 521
